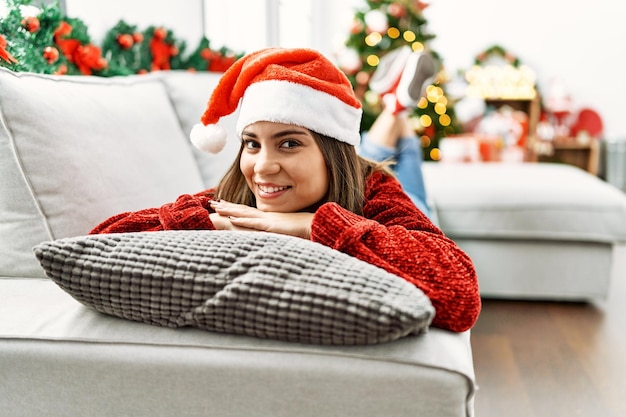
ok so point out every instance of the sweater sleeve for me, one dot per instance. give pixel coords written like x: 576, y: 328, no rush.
x: 396, y: 236
x: 188, y: 212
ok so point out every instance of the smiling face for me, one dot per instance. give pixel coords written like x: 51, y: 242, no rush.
x: 283, y: 166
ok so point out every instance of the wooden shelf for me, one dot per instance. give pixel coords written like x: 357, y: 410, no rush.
x: 569, y: 151
x: 564, y: 150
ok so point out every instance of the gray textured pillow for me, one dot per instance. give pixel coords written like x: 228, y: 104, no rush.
x: 257, y: 284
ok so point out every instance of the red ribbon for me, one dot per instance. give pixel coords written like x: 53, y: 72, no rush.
x: 4, y: 54
x: 87, y: 58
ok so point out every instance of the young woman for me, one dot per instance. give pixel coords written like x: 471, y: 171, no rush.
x: 298, y: 173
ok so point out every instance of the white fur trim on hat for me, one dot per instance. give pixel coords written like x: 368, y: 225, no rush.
x: 209, y: 138
x: 291, y: 103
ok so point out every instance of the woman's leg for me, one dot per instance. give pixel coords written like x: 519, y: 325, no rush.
x: 391, y: 138
x: 401, y: 80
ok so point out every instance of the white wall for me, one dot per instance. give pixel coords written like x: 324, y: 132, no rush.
x: 184, y: 17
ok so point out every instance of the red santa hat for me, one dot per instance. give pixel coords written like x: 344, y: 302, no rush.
x: 292, y: 86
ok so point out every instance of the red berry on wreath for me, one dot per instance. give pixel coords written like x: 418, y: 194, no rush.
x: 125, y: 40
x: 160, y: 33
x: 31, y: 24
x: 62, y: 70
x: 206, y: 54
x: 51, y: 54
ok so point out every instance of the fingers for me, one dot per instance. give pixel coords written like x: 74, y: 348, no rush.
x: 220, y: 222
x: 255, y: 223
x: 230, y: 216
x: 227, y: 209
x: 225, y: 223
x: 239, y: 216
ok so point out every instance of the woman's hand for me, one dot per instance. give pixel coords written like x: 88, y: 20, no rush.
x: 223, y: 223
x: 229, y: 216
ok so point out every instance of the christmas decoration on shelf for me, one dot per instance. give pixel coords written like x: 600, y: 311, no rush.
x: 563, y: 122
x: 496, y: 51
x: 499, y: 74
x: 378, y: 29
x: 499, y: 106
x: 43, y: 40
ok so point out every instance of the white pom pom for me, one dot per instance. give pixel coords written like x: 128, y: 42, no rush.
x: 210, y: 138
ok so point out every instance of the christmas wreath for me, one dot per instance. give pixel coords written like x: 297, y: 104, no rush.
x: 497, y: 51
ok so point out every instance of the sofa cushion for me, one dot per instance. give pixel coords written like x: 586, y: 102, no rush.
x: 258, y: 284
x: 61, y: 359
x: 545, y: 201
x: 190, y: 92
x: 76, y: 150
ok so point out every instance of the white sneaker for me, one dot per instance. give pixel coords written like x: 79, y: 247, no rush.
x: 389, y: 70
x: 419, y: 72
x: 402, y: 77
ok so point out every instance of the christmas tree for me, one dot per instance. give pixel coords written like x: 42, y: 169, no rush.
x: 380, y: 27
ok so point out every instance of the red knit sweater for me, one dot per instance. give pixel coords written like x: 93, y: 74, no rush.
x: 392, y: 234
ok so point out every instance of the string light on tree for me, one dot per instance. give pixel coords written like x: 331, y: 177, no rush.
x: 380, y: 27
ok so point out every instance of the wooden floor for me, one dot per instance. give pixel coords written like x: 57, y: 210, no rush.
x: 542, y: 359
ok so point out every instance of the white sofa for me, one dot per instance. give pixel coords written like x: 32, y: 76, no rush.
x: 75, y: 150
x: 534, y: 231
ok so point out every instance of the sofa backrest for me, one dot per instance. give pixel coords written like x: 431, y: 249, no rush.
x: 75, y: 150
x: 189, y: 93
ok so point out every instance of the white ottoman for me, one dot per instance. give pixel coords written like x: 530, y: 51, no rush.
x: 533, y: 230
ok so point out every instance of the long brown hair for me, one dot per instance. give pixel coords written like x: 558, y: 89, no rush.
x: 347, y: 172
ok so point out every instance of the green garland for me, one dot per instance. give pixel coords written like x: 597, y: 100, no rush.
x: 51, y: 43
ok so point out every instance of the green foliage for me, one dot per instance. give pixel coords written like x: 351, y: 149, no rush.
x: 52, y: 43
x: 121, y: 48
x: 203, y: 58
x: 26, y: 47
x: 197, y: 60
